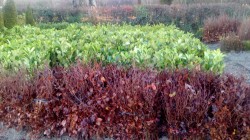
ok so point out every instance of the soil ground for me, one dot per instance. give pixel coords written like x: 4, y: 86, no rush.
x: 237, y: 63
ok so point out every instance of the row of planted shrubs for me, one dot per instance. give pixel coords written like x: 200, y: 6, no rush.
x: 189, y: 18
x: 95, y: 101
x: 208, y: 22
x: 217, y: 27
x: 233, y: 34
x: 156, y: 46
x: 223, y: 25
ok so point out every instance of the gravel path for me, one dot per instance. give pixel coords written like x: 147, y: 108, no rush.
x: 237, y: 64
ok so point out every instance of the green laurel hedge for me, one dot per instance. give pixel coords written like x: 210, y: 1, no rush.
x: 156, y: 46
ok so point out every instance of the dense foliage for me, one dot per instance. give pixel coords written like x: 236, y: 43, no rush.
x: 1, y: 19
x: 246, y: 45
x: 144, y: 46
x: 105, y: 99
x: 56, y: 16
x: 57, y: 26
x: 29, y: 19
x: 189, y: 18
x: 126, y: 103
x: 10, y: 14
x: 166, y: 2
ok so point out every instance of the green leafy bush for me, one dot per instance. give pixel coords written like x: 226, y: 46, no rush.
x: 142, y: 16
x: 73, y: 17
x: 21, y: 19
x: 156, y: 46
x: 29, y: 16
x: 57, y: 26
x: 58, y: 15
x: 246, y: 45
x: 10, y: 14
x: 166, y: 2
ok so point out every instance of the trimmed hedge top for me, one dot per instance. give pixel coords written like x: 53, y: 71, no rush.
x: 156, y: 46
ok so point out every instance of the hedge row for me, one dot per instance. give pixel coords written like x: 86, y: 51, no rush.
x: 216, y: 28
x: 156, y: 46
x: 189, y: 18
x: 95, y: 101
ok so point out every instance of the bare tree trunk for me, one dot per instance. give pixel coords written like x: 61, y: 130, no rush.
x: 139, y: 2
x: 77, y: 3
x: 74, y: 2
x: 81, y: 2
x: 92, y: 3
x: 1, y: 2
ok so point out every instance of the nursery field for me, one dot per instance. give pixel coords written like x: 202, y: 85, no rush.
x: 125, y: 70
x: 118, y: 81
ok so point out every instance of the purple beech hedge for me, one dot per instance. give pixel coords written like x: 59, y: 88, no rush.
x: 94, y: 101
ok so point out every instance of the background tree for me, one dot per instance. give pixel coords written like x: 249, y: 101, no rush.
x: 1, y: 2
x: 139, y: 2
x: 75, y: 4
x: 81, y: 2
x: 169, y: 2
x: 78, y: 3
x: 9, y: 14
x: 29, y: 19
x: 1, y: 19
x: 92, y: 3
